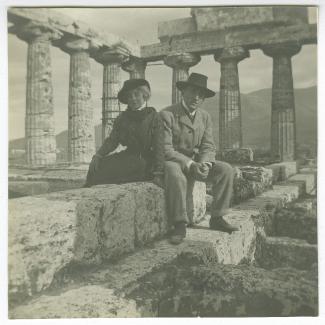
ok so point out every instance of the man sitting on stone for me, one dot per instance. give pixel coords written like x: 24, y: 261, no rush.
x: 190, y: 154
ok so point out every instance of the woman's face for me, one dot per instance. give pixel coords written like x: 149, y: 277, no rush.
x: 135, y: 98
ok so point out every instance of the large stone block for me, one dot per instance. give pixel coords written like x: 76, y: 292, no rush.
x: 284, y: 169
x: 50, y: 232
x: 251, y: 181
x: 308, y: 179
x: 192, y: 289
x: 287, y: 252
x: 296, y: 222
x: 236, y: 156
x: 45, y: 236
x: 220, y: 18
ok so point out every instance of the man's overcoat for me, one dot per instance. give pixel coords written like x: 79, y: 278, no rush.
x: 185, y: 139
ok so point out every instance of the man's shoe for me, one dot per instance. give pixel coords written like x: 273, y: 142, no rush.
x: 218, y: 223
x: 179, y: 233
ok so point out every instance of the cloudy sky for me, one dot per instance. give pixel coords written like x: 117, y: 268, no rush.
x: 140, y: 26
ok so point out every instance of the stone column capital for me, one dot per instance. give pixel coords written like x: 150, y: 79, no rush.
x: 110, y: 55
x: 75, y: 44
x: 235, y: 53
x: 182, y: 60
x: 134, y: 64
x: 287, y: 49
x: 32, y: 31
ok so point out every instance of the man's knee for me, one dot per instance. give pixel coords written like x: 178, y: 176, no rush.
x: 173, y: 170
x: 223, y: 169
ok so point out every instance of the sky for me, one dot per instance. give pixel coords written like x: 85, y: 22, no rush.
x: 139, y: 25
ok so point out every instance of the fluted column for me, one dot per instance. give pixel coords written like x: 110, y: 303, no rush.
x: 230, y: 122
x: 180, y: 63
x: 136, y: 67
x: 81, y: 137
x: 111, y: 59
x: 40, y: 142
x: 283, y: 120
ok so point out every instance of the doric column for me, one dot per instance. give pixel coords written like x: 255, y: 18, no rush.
x: 40, y: 142
x: 81, y: 138
x: 111, y: 59
x: 283, y: 121
x: 230, y: 125
x: 180, y: 63
x: 136, y: 67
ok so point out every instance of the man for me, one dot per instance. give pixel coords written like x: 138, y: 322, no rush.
x: 190, y: 154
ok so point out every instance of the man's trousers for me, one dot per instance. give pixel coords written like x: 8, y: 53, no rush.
x: 179, y: 184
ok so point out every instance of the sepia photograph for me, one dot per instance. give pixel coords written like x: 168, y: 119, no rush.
x: 162, y: 161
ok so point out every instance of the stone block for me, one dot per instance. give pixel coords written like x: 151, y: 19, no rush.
x: 236, y: 156
x: 89, y: 301
x: 250, y: 181
x: 287, y: 252
x: 308, y: 179
x: 50, y: 232
x: 257, y: 174
x: 286, y: 169
x: 196, y: 202
x: 195, y: 289
x: 296, y: 222
x: 228, y: 249
x: 27, y: 188
x: 220, y: 18
x: 45, y: 236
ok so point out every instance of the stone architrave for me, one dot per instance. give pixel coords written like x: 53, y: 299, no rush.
x: 230, y: 124
x: 136, y: 67
x: 81, y: 137
x: 283, y: 120
x: 180, y: 63
x: 40, y: 142
x: 111, y: 59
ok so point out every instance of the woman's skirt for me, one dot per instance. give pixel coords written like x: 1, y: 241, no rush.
x: 121, y: 167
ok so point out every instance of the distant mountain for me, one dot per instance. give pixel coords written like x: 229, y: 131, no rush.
x: 256, y: 120
x: 256, y: 117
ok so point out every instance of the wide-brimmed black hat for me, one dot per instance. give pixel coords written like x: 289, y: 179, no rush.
x: 129, y: 85
x: 196, y: 80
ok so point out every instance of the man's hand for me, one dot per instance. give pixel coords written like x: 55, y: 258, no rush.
x: 199, y: 171
x: 159, y: 181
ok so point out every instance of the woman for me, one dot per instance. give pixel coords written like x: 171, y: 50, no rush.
x: 140, y: 129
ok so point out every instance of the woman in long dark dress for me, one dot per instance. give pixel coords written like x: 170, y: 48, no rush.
x: 138, y: 128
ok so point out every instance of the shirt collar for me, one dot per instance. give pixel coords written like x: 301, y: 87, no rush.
x: 187, y: 109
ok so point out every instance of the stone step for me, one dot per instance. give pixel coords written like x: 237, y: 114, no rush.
x: 310, y: 180
x: 49, y: 232
x: 287, y: 252
x: 201, y: 244
x: 297, y: 221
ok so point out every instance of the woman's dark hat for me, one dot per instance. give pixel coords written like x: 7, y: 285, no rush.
x: 129, y: 85
x: 196, y: 80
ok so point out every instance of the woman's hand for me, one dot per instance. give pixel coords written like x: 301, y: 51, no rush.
x: 159, y: 181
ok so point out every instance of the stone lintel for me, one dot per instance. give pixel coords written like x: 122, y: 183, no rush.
x: 208, y: 42
x: 222, y: 17
x: 68, y: 26
x: 170, y: 28
x: 236, y: 53
x: 182, y: 60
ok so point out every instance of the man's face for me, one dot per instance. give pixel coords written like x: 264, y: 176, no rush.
x: 193, y: 97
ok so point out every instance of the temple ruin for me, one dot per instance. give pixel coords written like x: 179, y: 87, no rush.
x: 73, y: 251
